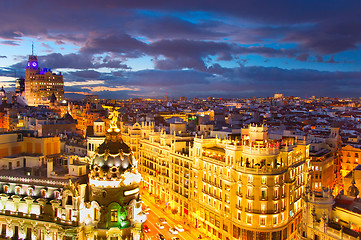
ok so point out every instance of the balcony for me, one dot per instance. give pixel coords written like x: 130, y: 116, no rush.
x: 239, y: 194
x: 249, y: 197
x: 257, y: 211
x: 239, y: 207
x: 263, y: 198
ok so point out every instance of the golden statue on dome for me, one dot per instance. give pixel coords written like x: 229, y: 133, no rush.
x: 113, y: 115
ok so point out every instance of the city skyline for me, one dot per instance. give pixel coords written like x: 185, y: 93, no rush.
x: 194, y: 49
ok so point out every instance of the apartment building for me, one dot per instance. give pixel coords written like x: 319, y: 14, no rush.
x: 248, y: 188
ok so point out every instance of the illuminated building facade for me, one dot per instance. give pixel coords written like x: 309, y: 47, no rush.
x: 252, y: 188
x: 249, y: 188
x: 326, y: 217
x: 107, y: 206
x: 350, y: 158
x: 41, y: 84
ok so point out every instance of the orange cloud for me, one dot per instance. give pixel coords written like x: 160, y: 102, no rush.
x: 110, y: 89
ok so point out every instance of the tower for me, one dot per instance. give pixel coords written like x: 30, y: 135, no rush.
x: 41, y: 84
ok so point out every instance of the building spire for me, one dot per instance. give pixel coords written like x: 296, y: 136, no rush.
x: 32, y: 48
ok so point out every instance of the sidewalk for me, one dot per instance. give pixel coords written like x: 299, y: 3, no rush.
x: 189, y: 232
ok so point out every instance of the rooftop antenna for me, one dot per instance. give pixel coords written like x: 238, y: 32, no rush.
x: 32, y: 48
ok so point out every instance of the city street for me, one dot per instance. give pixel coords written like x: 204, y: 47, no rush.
x: 153, y: 217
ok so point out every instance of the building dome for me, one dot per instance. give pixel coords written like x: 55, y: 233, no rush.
x: 113, y: 160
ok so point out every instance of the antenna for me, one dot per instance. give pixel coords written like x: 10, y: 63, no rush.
x: 32, y: 48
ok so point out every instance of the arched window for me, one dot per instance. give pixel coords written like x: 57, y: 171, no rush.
x: 69, y: 201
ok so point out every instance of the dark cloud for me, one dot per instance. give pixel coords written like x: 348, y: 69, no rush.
x: 73, y: 61
x: 88, y: 74
x: 170, y: 27
x: 3, y: 56
x: 122, y: 44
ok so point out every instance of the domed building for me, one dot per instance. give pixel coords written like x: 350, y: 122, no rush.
x: 103, y: 205
x: 114, y: 185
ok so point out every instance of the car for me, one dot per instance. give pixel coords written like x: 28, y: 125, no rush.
x: 146, y: 208
x: 160, y: 226
x: 173, y: 231
x: 179, y: 228
x: 146, y: 213
x: 162, y: 220
x: 146, y: 229
x: 160, y: 236
x: 175, y: 238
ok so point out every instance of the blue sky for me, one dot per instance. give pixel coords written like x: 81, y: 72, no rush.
x: 122, y: 49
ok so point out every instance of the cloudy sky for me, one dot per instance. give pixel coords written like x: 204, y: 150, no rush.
x: 229, y: 48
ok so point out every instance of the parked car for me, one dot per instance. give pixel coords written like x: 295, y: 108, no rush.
x: 173, y: 231
x: 179, y: 228
x: 146, y: 229
x: 160, y: 226
x: 146, y: 208
x: 162, y: 220
x: 175, y: 238
x: 160, y: 236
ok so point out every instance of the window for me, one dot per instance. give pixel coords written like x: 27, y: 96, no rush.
x: 275, y: 206
x: 69, y: 200
x: 225, y: 227
x: 275, y: 220
x: 264, y: 180
x: 114, y: 215
x: 249, y: 192
x: 249, y: 219
x: 239, y: 216
x: 249, y: 206
x: 250, y: 178
x: 276, y: 193
x: 263, y: 207
x: 263, y: 194
x: 6, y: 188
x: 96, y: 214
x: 262, y: 221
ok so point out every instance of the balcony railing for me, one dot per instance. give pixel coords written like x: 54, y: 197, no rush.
x: 250, y: 197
